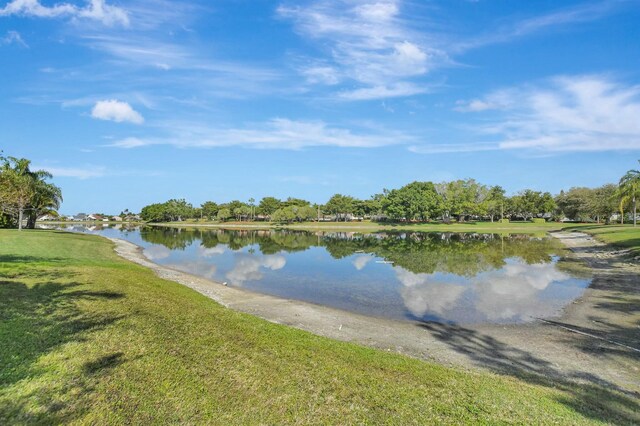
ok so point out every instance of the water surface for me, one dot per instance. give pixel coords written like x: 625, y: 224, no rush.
x: 445, y: 277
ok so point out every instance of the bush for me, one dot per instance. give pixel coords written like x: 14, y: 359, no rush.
x: 504, y: 220
x: 538, y: 220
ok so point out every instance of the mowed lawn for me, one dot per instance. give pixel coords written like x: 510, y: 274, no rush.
x: 86, y: 337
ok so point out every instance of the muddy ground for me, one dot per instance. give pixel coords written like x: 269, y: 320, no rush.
x: 595, y: 343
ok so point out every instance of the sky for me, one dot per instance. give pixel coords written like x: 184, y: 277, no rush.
x: 133, y: 102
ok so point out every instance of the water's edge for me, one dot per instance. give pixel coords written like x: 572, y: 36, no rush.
x: 406, y: 337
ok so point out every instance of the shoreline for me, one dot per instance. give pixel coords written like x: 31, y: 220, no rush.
x: 542, y: 340
x: 464, y: 227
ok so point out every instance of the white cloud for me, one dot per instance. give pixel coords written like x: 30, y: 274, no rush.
x: 192, y: 69
x: 130, y: 143
x: 75, y: 172
x: 278, y: 133
x: 578, y: 113
x: 381, y: 92
x: 96, y: 10
x: 13, y: 37
x: 320, y: 74
x: 567, y: 114
x: 500, y: 99
x: 117, y: 111
x: 368, y: 43
x: 453, y: 148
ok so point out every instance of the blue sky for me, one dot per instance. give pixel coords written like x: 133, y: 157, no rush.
x: 133, y: 102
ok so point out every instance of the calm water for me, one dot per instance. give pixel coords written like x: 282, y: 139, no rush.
x: 463, y: 278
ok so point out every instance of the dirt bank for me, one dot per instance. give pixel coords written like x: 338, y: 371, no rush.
x: 596, y: 341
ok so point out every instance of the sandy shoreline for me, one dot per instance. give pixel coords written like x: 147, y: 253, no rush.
x: 549, y: 349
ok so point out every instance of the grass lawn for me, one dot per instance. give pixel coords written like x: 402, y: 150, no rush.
x: 622, y: 236
x: 86, y: 337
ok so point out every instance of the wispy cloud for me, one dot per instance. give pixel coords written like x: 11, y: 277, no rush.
x: 13, y: 37
x: 581, y: 13
x: 96, y: 10
x: 118, y: 111
x: 75, y: 172
x: 567, y: 114
x: 578, y: 113
x: 368, y: 43
x: 454, y: 148
x: 278, y: 133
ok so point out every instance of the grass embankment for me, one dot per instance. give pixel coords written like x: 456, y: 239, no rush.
x: 90, y: 338
x: 621, y: 236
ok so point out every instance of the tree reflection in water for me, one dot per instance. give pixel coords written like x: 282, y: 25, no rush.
x: 459, y: 277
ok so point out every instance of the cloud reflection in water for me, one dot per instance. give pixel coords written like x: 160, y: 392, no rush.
x: 247, y: 267
x: 515, y: 292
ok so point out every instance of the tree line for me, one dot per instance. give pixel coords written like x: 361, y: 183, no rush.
x: 458, y: 200
x: 25, y: 194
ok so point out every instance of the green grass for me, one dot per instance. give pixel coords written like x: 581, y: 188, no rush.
x: 86, y: 337
x: 621, y: 236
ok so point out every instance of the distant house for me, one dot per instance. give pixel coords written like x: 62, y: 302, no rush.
x: 80, y: 217
x: 47, y: 217
x: 116, y: 218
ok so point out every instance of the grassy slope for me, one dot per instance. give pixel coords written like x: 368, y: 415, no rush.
x: 88, y: 337
x: 626, y: 236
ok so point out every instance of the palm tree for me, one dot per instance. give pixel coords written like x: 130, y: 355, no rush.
x: 46, y: 198
x: 26, y: 191
x: 629, y: 187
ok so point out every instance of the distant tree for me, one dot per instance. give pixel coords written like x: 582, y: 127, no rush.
x: 268, y: 205
x: 153, y: 213
x: 305, y: 213
x: 415, y: 201
x: 242, y: 212
x: 495, y: 202
x: 252, y: 207
x: 462, y: 198
x: 284, y: 214
x: 209, y: 209
x: 629, y: 186
x: 341, y: 206
x: 25, y: 193
x: 529, y: 204
x: 574, y: 203
x: 172, y: 210
x: 603, y: 202
x: 46, y: 200
x: 178, y: 210
x: 298, y: 202
x: 223, y: 214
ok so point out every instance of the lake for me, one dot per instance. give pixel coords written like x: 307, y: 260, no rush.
x: 465, y: 278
